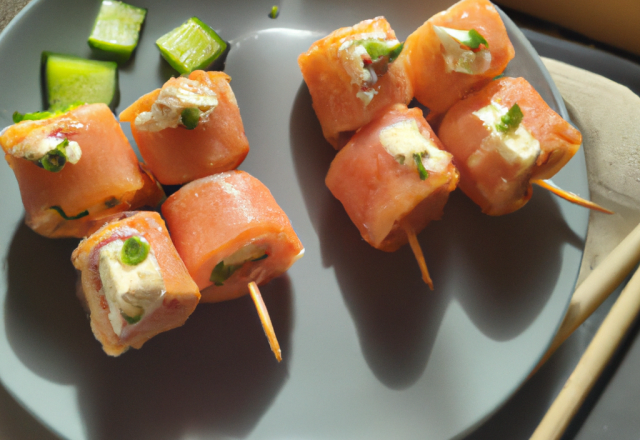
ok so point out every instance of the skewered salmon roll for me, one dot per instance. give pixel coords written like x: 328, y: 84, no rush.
x: 190, y: 128
x: 393, y: 177
x: 229, y: 231
x: 134, y: 283
x: 74, y: 169
x: 352, y: 75
x: 456, y: 52
x: 502, y: 138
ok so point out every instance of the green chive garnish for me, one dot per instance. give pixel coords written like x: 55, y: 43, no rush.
x: 421, y: 169
x: 190, y: 117
x: 471, y: 38
x: 134, y: 251
x: 274, y: 12
x: 511, y: 120
x: 36, y: 116
x: 131, y: 319
x: 66, y: 217
x: 55, y: 159
x: 221, y: 273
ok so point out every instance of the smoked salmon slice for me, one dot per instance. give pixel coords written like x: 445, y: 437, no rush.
x: 393, y: 176
x: 498, y: 152
x: 132, y: 297
x: 353, y: 74
x: 444, y: 64
x: 69, y: 199
x: 179, y: 148
x: 230, y: 231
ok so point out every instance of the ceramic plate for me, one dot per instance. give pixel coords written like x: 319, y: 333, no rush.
x: 369, y: 351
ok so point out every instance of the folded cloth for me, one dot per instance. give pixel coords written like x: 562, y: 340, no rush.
x: 607, y: 115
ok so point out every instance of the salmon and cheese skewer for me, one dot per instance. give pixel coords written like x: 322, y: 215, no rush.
x: 229, y: 231
x: 133, y: 281
x: 352, y: 75
x: 74, y: 169
x: 456, y: 52
x: 190, y: 128
x: 393, y: 178
x: 232, y: 236
x: 503, y: 138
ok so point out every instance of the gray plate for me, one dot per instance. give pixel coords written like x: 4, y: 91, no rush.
x: 368, y: 351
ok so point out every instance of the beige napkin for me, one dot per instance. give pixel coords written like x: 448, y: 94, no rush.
x: 608, y: 116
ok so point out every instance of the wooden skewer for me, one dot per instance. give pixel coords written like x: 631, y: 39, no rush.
x: 417, y: 252
x: 597, y: 287
x: 593, y: 361
x: 571, y: 197
x: 263, y: 313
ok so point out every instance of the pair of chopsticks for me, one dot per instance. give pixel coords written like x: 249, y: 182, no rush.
x: 587, y: 297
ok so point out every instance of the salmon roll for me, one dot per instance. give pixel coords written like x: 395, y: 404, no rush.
x: 502, y: 138
x: 133, y: 282
x: 74, y: 169
x: 353, y: 74
x: 456, y: 52
x: 393, y: 174
x: 230, y: 231
x: 190, y: 128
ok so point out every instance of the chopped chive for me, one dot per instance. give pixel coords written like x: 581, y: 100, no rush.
x: 131, y: 319
x: 471, y: 38
x: 511, y: 120
x: 134, y: 251
x: 395, y: 52
x: 55, y: 159
x: 421, y: 169
x: 275, y: 11
x: 260, y: 258
x: 66, y: 217
x: 36, y: 116
x: 221, y: 273
x: 190, y: 117
x: 498, y: 76
x: 111, y: 202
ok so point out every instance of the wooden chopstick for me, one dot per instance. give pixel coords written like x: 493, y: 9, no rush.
x: 592, y: 292
x: 595, y: 358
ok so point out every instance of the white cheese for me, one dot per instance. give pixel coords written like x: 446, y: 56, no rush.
x: 461, y: 60
x: 403, y: 140
x: 516, y: 146
x: 351, y: 55
x: 244, y: 254
x: 36, y: 147
x: 132, y: 290
x: 172, y: 100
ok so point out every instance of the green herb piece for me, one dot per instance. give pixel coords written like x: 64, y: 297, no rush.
x: 275, y: 11
x: 71, y: 79
x: 261, y: 257
x: 498, y: 76
x: 421, y: 169
x: 36, y: 116
x: 55, y: 159
x: 134, y: 251
x: 190, y: 117
x: 378, y: 48
x: 112, y: 202
x: 221, y: 273
x: 131, y: 319
x: 66, y: 217
x: 471, y: 38
x: 191, y: 46
x: 511, y: 120
x: 116, y: 30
